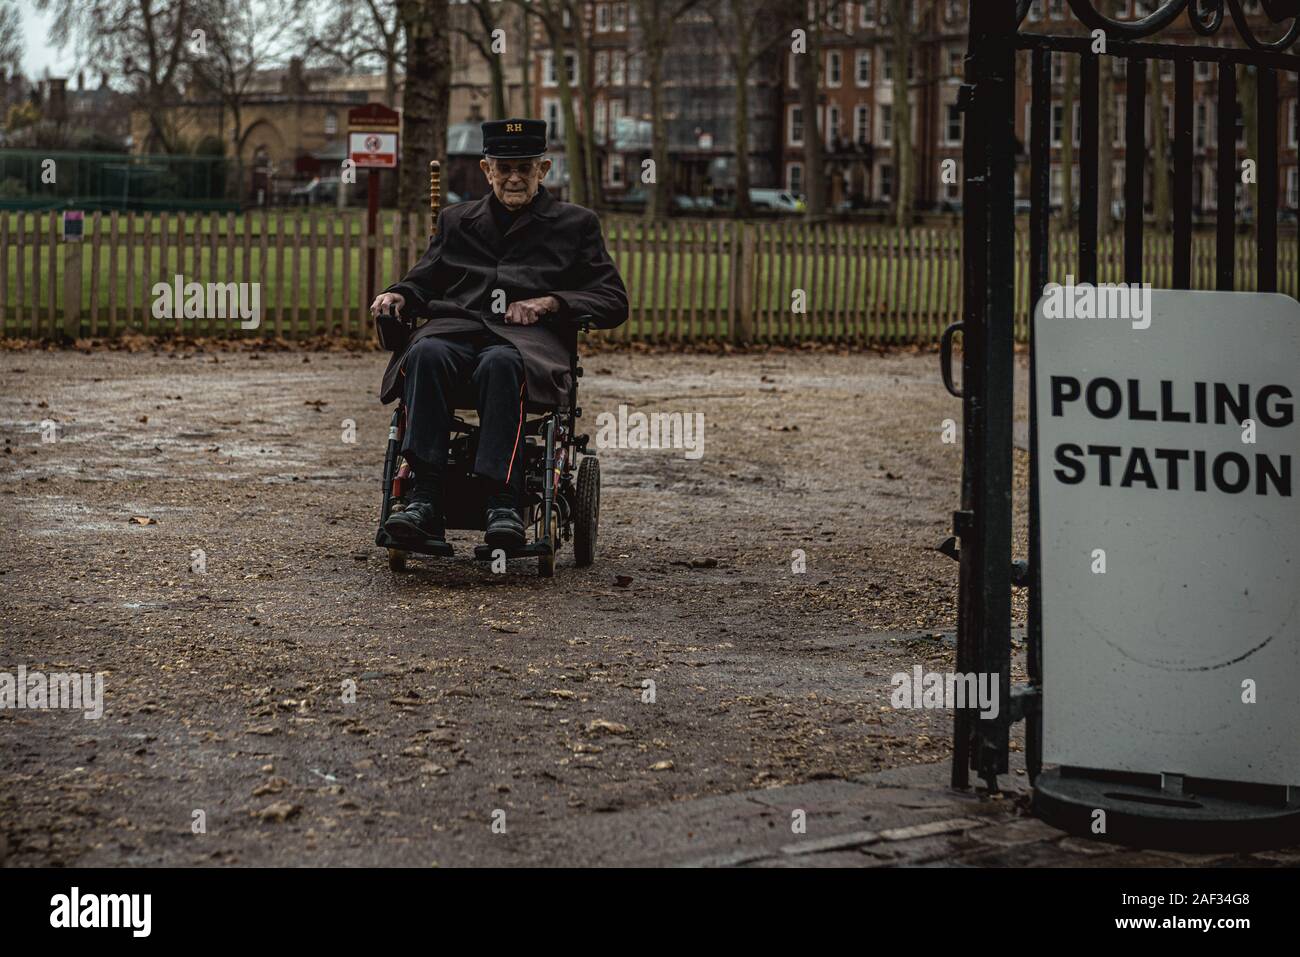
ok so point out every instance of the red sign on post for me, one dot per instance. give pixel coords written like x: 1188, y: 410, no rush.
x: 372, y: 136
x: 372, y: 144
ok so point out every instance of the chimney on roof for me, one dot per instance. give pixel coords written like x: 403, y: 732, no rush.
x: 293, y: 81
x: 81, y: 80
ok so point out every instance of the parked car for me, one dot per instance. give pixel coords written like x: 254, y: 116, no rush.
x: 777, y: 200
x: 318, y: 191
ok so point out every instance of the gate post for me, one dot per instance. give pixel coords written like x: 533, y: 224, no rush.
x: 983, y: 525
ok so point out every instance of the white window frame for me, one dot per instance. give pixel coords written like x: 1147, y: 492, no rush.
x: 834, y: 69
x: 860, y: 57
x: 790, y: 112
x: 948, y: 138
x: 862, y: 123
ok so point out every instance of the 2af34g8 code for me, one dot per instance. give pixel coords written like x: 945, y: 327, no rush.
x: 1196, y: 899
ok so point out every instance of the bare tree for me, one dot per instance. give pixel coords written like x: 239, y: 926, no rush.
x: 241, y: 38
x: 1160, y: 168
x: 581, y: 27
x: 379, y: 39
x: 11, y: 40
x: 146, y: 41
x: 551, y: 15
x: 656, y: 19
x: 808, y: 70
x: 479, y: 34
x: 426, y: 100
x: 1068, y: 106
x: 748, y: 34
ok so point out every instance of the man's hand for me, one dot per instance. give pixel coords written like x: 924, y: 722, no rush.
x: 384, y: 301
x: 526, y: 312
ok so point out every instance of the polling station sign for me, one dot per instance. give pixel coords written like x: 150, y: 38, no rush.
x: 1170, y: 535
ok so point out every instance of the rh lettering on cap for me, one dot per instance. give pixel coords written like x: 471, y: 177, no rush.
x: 514, y: 127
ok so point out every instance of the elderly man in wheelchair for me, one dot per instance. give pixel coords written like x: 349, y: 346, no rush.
x: 488, y: 319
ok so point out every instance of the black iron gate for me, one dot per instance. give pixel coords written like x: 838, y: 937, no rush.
x: 983, y: 525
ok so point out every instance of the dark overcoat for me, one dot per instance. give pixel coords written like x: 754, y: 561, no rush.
x: 552, y: 248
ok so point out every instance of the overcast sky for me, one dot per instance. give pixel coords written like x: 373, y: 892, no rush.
x: 38, y: 54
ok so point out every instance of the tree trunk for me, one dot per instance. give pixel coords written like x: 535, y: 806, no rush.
x: 742, y: 66
x: 814, y: 153
x: 901, y: 13
x: 572, y: 150
x: 1159, y: 148
x: 1068, y: 106
x: 588, y: 102
x: 658, y: 197
x: 1248, y: 93
x: 525, y: 66
x: 1105, y: 147
x: 427, y: 99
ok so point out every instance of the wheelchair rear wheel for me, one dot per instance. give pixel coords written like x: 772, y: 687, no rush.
x: 396, y: 560
x: 586, y: 511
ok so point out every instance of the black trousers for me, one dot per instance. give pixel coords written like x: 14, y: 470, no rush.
x: 480, y: 366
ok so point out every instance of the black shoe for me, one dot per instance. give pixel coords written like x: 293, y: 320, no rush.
x: 421, y: 519
x: 505, y: 529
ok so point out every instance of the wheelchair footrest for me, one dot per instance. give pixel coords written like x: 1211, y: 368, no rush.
x: 484, y: 553
x: 424, y: 546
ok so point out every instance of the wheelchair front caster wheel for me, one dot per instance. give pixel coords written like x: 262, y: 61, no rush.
x: 546, y: 563
x: 396, y: 560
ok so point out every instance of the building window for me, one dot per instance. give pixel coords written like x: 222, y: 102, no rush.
x: 1056, y: 9
x: 1291, y: 123
x: 795, y: 126
x: 554, y: 124
x: 832, y: 124
x: 618, y: 68
x: 867, y: 13
x: 602, y: 120
x: 1036, y: 11
x: 834, y: 69
x: 602, y: 68
x: 862, y: 68
x: 602, y: 18
x: 835, y: 17
x: 620, y: 17
x: 956, y: 62
x: 1121, y: 129
x: 1058, y: 123
x: 1200, y: 123
x: 1203, y: 69
x: 953, y: 10
x: 952, y: 133
x: 886, y: 181
x: 886, y: 124
x: 861, y: 123
x: 794, y: 72
x: 548, y: 64
x: 794, y: 177
x: 615, y: 177
x: 1293, y: 187
x: 331, y: 123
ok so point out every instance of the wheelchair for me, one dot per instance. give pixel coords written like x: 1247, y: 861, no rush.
x: 561, y: 499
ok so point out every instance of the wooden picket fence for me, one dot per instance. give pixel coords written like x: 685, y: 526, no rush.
x: 688, y: 280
